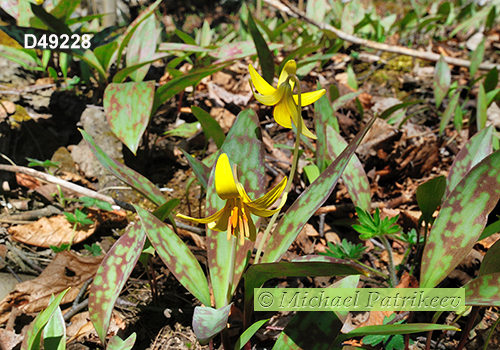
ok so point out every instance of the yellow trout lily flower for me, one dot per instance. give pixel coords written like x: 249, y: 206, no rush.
x: 285, y: 110
x: 235, y: 217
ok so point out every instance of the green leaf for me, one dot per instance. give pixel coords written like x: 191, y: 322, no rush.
x: 266, y: 58
x: 243, y: 146
x: 105, y: 53
x: 476, y: 58
x: 442, y: 80
x: 238, y: 50
x: 354, y: 175
x: 54, y: 333
x: 163, y: 211
x: 184, y: 130
x: 491, y: 80
x: 142, y: 47
x: 95, y: 249
x: 490, y: 229
x: 387, y: 113
x: 208, y: 322
x: 176, y: 255
x: 210, y: 126
x: 128, y: 108
x: 461, y: 220
x: 91, y: 202
x: 248, y: 334
x: 474, y: 151
x: 111, y: 277
x: 308, y: 202
x: 482, y: 106
x: 169, y: 47
x: 312, y: 172
x: 121, y: 75
x: 491, y: 260
x: 351, y: 78
x: 33, y: 335
x: 200, y: 170
x: 50, y: 21
x: 115, y: 343
x: 124, y: 173
x: 429, y: 196
x: 448, y: 112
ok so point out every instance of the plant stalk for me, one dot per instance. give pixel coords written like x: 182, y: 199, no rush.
x: 392, y: 269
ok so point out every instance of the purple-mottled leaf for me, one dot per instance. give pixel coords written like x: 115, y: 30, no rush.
x: 182, y: 47
x: 442, y: 80
x: 200, y: 170
x: 311, y: 331
x: 128, y: 107
x: 34, y: 333
x: 461, y: 220
x: 248, y: 334
x: 125, y: 72
x: 309, y: 201
x: 112, y: 275
x: 483, y: 291
x: 210, y: 126
x: 208, y: 322
x: 176, y: 255
x: 116, y: 343
x: 124, y: 173
x: 178, y: 84
x: 311, y: 265
x: 142, y: 47
x: 491, y: 261
x: 429, y: 196
x: 235, y: 51
x: 266, y: 58
x: 243, y: 146
x: 125, y: 39
x: 354, y: 175
x: 474, y: 151
x: 11, y: 7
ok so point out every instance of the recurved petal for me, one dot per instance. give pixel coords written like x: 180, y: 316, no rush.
x: 207, y: 220
x: 270, y: 197
x: 309, y: 97
x: 271, y: 99
x: 260, y: 83
x: 251, y: 230
x: 306, y: 132
x: 221, y: 223
x: 289, y: 68
x: 225, y: 185
x: 282, y: 116
x: 264, y: 213
x: 296, y: 117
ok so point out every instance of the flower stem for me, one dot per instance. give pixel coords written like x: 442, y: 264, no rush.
x: 232, y: 260
x: 392, y: 270
x: 295, y: 162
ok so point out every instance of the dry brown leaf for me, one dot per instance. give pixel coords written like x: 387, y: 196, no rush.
x: 81, y: 328
x: 55, y: 231
x: 27, y: 181
x: 223, y: 117
x: 9, y: 339
x: 66, y: 270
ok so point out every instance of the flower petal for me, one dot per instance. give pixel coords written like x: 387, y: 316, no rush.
x: 225, y: 184
x: 296, y: 117
x: 306, y: 132
x: 270, y: 197
x: 264, y: 213
x: 271, y: 99
x: 309, y: 97
x: 289, y: 68
x: 207, y: 220
x: 252, y: 231
x: 221, y: 224
x: 282, y: 116
x: 260, y: 83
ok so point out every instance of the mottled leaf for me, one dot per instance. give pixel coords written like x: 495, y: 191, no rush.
x: 461, y: 220
x: 354, y: 175
x: 128, y: 107
x: 200, y: 170
x: 208, y: 322
x: 483, y: 291
x: 448, y: 112
x: 248, y: 334
x: 266, y: 58
x: 125, y: 72
x: 309, y: 201
x: 124, y: 173
x: 176, y: 255
x: 178, y: 84
x: 476, y: 58
x: 34, y: 333
x: 311, y: 331
x: 112, y: 275
x: 210, y: 126
x: 142, y: 47
x: 125, y: 38
x: 429, y: 196
x: 116, y: 343
x: 238, y: 50
x: 474, y: 151
x: 182, y: 47
x: 244, y: 148
x: 442, y: 80
x: 481, y: 108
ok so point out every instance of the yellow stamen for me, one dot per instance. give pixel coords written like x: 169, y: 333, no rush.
x: 234, y: 217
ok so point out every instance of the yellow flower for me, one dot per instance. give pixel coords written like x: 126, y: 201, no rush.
x: 286, y: 107
x: 235, y: 217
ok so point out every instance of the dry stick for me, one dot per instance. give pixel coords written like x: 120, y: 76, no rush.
x: 286, y: 7
x: 85, y: 191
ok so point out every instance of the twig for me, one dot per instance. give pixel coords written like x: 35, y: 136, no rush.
x: 77, y: 306
x: 2, y: 261
x: 84, y: 191
x: 286, y: 7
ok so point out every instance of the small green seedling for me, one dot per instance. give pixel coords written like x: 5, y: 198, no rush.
x: 345, y: 250
x: 389, y: 342
x: 78, y: 218
x: 88, y: 202
x: 95, y: 249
